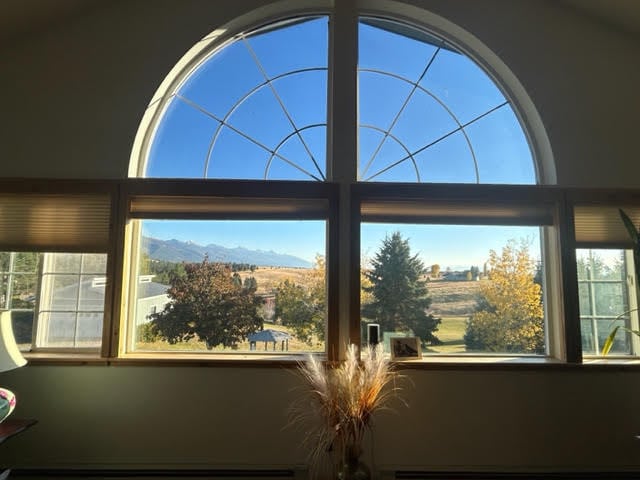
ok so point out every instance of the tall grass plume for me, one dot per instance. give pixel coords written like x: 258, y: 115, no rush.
x: 340, y: 402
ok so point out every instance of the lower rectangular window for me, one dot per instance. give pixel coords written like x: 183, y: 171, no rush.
x: 56, y: 299
x: 606, y: 291
x: 228, y: 286
x: 463, y: 289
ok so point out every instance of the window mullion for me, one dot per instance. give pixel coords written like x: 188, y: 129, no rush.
x: 572, y: 336
x: 342, y: 155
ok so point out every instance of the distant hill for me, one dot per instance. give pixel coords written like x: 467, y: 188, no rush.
x: 178, y: 251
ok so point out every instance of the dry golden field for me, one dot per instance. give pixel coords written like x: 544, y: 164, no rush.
x: 453, y: 298
x: 269, y: 278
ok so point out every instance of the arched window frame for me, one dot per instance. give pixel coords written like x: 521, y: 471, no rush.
x: 342, y: 135
x: 343, y: 253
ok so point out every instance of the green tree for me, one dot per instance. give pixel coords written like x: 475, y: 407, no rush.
x: 163, y: 271
x: 303, y: 307
x: 400, y: 299
x: 207, y: 304
x: 509, y: 318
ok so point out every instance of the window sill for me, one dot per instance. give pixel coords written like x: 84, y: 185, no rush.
x: 481, y: 363
x: 64, y: 358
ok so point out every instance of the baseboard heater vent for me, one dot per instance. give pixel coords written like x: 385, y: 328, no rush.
x: 84, y: 474
x: 410, y: 475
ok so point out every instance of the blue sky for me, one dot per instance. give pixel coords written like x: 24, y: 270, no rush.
x: 192, y: 142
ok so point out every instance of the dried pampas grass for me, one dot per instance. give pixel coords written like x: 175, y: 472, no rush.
x: 341, y: 400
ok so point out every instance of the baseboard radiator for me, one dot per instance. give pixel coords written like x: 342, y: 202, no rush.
x: 99, y: 474
x: 294, y: 474
x: 412, y: 475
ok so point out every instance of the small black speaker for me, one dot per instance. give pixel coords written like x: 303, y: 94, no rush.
x: 373, y: 334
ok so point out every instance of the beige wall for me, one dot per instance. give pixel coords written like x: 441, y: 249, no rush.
x: 72, y: 98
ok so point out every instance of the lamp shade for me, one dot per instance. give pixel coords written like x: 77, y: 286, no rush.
x: 10, y: 356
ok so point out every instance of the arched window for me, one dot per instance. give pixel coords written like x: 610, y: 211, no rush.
x: 270, y: 179
x: 255, y: 108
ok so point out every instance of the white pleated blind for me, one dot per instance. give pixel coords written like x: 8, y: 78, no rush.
x: 142, y: 206
x: 55, y: 222
x: 602, y: 225
x: 453, y: 212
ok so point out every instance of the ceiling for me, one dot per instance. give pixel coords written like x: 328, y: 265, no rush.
x: 20, y: 18
x: 620, y: 14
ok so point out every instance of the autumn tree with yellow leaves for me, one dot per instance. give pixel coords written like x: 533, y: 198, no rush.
x: 509, y: 318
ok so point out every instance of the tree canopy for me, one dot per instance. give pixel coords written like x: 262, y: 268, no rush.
x: 399, y: 292
x: 303, y: 307
x: 207, y: 303
x: 510, y: 314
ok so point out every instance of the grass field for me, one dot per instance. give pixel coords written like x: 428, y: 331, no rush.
x: 452, y: 302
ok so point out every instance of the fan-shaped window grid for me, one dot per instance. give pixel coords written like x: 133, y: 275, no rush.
x: 255, y: 108
x: 429, y: 113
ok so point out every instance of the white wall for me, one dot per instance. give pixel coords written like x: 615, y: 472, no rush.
x: 72, y: 98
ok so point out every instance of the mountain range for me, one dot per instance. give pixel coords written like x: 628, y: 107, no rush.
x: 179, y: 251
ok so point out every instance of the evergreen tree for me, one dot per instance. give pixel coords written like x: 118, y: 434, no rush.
x: 400, y: 299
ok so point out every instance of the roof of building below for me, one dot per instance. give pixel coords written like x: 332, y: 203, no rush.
x: 269, y: 336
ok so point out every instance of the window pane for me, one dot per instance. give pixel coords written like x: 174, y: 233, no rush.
x: 230, y: 286
x: 585, y: 299
x: 588, y: 337
x: 605, y: 299
x: 5, y: 260
x: 72, y: 304
x: 621, y: 343
x: 254, y: 109
x: 91, y: 294
x: 429, y: 113
x: 66, y: 263
x: 60, y: 328
x: 461, y: 289
x: 94, y: 263
x: 23, y: 292
x: 25, y: 262
x: 18, y: 292
x: 610, y: 299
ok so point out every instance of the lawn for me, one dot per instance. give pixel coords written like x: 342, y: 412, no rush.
x: 451, y: 333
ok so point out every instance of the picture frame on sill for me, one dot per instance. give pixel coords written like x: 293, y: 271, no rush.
x: 405, y: 348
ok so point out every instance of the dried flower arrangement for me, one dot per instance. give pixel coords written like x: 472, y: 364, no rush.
x: 342, y: 399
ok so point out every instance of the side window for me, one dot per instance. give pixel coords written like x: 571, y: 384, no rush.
x: 606, y: 273
x: 606, y: 287
x: 59, y: 295
x: 56, y: 299
x: 71, y: 302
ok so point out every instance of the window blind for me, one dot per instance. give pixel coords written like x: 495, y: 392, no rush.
x: 602, y: 226
x: 455, y: 212
x: 55, y: 222
x: 210, y: 207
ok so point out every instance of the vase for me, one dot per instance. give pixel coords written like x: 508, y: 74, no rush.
x: 7, y: 403
x: 351, y: 466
